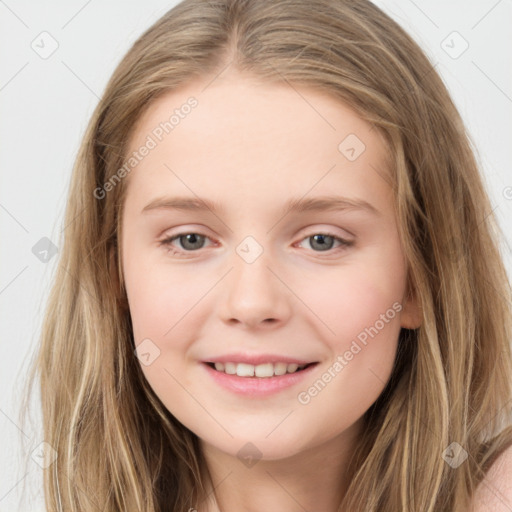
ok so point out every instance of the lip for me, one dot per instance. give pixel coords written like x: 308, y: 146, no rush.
x: 257, y: 387
x: 257, y: 359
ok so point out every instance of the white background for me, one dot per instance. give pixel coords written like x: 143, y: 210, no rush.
x: 46, y: 103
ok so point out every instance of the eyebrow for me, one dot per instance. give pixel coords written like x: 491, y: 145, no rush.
x: 298, y: 205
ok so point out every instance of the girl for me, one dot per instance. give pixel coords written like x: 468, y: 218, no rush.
x: 280, y: 286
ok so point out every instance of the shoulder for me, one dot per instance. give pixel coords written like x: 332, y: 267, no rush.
x: 494, y: 493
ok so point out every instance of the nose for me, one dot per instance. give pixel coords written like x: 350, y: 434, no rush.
x: 254, y: 295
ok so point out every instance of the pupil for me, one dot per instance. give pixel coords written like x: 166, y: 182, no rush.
x: 191, y: 238
x: 320, y: 240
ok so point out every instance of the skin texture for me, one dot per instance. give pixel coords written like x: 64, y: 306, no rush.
x: 250, y: 147
x: 494, y: 494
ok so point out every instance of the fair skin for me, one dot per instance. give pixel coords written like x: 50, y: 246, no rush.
x: 250, y: 148
x: 494, y: 494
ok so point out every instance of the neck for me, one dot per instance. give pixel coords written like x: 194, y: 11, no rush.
x: 314, y: 479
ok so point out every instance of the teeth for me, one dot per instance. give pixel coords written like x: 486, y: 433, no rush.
x: 230, y: 368
x: 245, y: 370
x: 280, y: 368
x: 261, y: 370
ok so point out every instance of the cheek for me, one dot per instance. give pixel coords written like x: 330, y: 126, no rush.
x: 160, y: 296
x: 163, y: 308
x: 352, y: 299
x: 168, y: 307
x: 365, y: 318
x: 361, y: 305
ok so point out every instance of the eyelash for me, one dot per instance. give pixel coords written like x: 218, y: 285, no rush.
x: 344, y: 244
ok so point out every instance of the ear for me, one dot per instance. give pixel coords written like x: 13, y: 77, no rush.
x: 411, y: 316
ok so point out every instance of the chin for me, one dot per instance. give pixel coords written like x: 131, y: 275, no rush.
x: 255, y: 446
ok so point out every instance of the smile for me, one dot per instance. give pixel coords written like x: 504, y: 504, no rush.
x: 257, y: 381
x: 264, y: 370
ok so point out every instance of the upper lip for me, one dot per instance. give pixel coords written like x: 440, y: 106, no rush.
x: 257, y: 359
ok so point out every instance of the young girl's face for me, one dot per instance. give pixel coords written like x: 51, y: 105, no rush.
x: 256, y: 280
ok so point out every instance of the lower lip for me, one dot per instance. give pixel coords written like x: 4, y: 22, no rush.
x: 258, y: 386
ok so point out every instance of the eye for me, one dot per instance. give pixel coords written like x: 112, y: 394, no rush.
x: 324, y: 242
x: 190, y: 242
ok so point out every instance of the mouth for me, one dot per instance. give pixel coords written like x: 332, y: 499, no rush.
x: 260, y: 371
x: 261, y: 380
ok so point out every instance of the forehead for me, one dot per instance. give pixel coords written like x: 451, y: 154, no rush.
x: 236, y: 134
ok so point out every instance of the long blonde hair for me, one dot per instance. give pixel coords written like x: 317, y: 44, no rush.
x: 118, y: 447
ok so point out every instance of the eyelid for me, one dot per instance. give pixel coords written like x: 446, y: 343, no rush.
x: 344, y: 243
x: 167, y: 241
